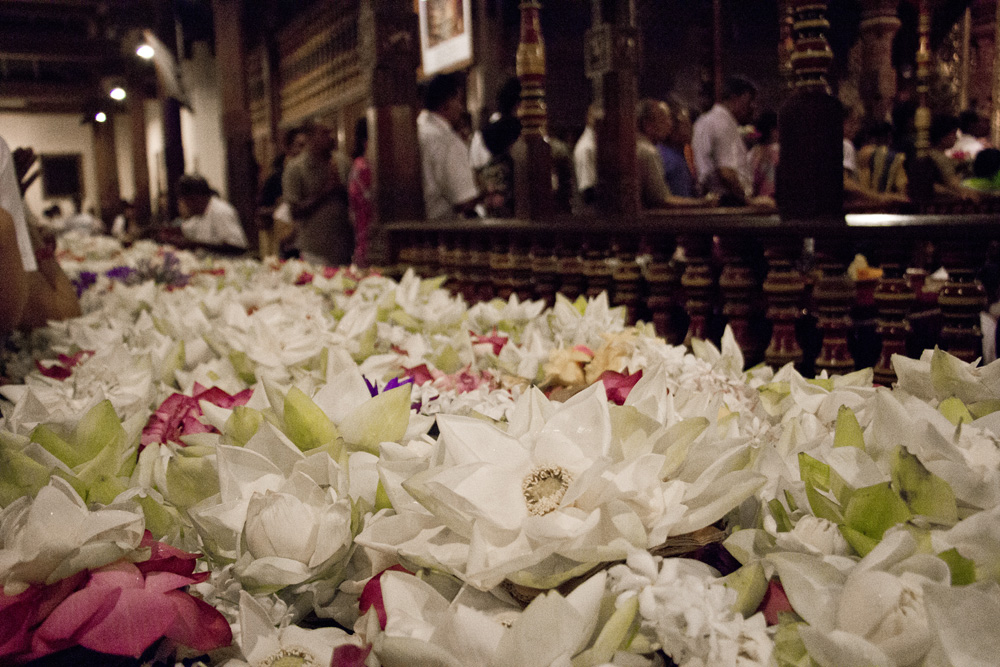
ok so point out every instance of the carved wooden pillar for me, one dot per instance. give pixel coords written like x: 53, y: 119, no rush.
x: 570, y: 268
x: 520, y: 266
x: 740, y: 293
x: 983, y: 29
x: 596, y: 268
x: 699, y: 285
x: 832, y: 298
x: 109, y: 193
x: 544, y: 268
x: 173, y: 146
x: 810, y: 181
x: 662, y: 283
x: 995, y: 111
x: 961, y: 300
x: 786, y: 43
x: 479, y: 269
x: 390, y: 53
x: 893, y: 299
x: 783, y: 288
x: 236, y: 124
x: 617, y: 172
x: 140, y: 161
x: 626, y: 276
x: 922, y: 173
x: 534, y: 201
x: 501, y: 265
x: 879, y: 25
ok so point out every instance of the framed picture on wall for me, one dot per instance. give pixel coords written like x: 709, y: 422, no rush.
x: 62, y: 175
x: 445, y: 35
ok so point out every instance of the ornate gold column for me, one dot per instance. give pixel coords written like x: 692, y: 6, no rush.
x: 879, y: 25
x: 535, y: 198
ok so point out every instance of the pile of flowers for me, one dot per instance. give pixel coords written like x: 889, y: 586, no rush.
x: 239, y: 462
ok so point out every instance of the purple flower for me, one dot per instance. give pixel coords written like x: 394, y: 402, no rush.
x: 84, y: 281
x: 121, y: 273
x: 392, y: 384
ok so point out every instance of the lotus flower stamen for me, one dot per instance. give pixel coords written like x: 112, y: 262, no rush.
x: 544, y: 489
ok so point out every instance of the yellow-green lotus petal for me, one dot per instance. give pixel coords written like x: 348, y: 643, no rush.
x: 750, y: 584
x: 243, y: 366
x: 955, y: 411
x: 382, y: 501
x: 814, y: 472
x: 159, y: 520
x: 56, y: 446
x: 99, y: 429
x: 982, y: 408
x: 924, y: 492
x: 612, y: 636
x: 780, y: 515
x: 823, y: 507
x: 305, y: 423
x: 242, y: 425
x: 963, y: 570
x: 875, y: 509
x: 848, y: 431
x: 20, y: 475
x: 861, y: 543
x: 190, y: 479
x: 174, y: 361
x: 381, y: 419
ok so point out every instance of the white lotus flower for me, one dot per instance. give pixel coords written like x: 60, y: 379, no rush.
x: 546, y: 487
x: 263, y: 644
x: 423, y: 627
x: 54, y: 536
x: 688, y: 613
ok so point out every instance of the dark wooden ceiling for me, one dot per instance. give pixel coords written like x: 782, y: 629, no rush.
x: 64, y: 55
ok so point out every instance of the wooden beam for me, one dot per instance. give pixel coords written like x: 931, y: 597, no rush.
x: 54, y: 47
x: 36, y: 92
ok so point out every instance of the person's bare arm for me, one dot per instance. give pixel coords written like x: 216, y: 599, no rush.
x: 731, y: 182
x: 14, y: 295
x: 50, y: 292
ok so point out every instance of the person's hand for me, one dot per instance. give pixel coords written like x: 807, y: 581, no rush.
x: 762, y: 202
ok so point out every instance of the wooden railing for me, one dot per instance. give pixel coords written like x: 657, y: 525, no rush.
x: 786, y: 298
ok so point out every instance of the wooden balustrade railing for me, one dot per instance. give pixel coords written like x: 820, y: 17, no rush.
x: 693, y: 273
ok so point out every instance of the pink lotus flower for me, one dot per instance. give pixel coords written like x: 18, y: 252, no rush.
x: 304, y: 278
x: 619, y: 385
x: 775, y: 602
x: 119, y: 609
x: 371, y: 595
x: 64, y: 365
x: 178, y: 415
x: 349, y: 655
x: 494, y: 339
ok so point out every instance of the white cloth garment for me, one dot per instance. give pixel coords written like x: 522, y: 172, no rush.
x: 218, y: 225
x: 447, y: 174
x: 585, y: 160
x: 10, y: 200
x: 717, y: 143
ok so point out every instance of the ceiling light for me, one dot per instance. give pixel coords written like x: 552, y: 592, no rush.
x: 117, y: 93
x: 100, y: 117
x: 145, y: 52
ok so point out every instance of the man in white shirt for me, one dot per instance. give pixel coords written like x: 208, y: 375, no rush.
x: 585, y: 156
x: 721, y: 157
x: 209, y: 220
x: 449, y: 183
x: 10, y: 201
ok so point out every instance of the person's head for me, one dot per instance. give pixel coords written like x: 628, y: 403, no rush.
x: 968, y: 122
x: 654, y: 120
x: 595, y: 114
x: 944, y: 131
x: 509, y: 96
x: 739, y: 94
x: 444, y: 97
x: 987, y: 163
x: 193, y: 195
x: 680, y: 120
x: 852, y: 122
x: 320, y: 138
x: 296, y: 141
x: 767, y: 127
x: 360, y: 138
